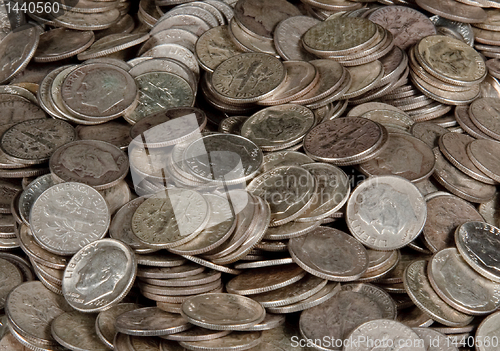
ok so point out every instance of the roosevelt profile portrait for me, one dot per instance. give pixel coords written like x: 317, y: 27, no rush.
x: 102, y: 90
x: 89, y: 162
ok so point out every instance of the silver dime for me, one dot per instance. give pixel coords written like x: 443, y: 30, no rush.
x: 68, y: 216
x: 150, y: 321
x: 488, y: 330
x: 288, y: 35
x: 170, y: 218
x: 99, y: 275
x: 92, y: 162
x: 113, y: 132
x: 329, y: 254
x: 222, y: 311
x: 461, y: 286
x: 223, y: 158
x: 10, y: 276
x: 77, y: 331
x: 230, y: 342
x: 422, y: 294
x: 31, y: 308
x: 214, y: 47
x: 470, y: 239
x: 386, y: 212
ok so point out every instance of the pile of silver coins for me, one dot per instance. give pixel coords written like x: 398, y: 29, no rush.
x: 229, y: 175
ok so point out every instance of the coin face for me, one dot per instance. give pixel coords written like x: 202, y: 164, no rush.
x: 448, y: 271
x: 34, y: 141
x: 77, y: 330
x: 444, y: 215
x: 222, y: 311
x: 10, y: 277
x: 386, y: 212
x: 261, y: 17
x: 214, y: 47
x: 278, y: 127
x: 69, y: 216
x: 153, y: 322
x: 344, y: 141
x: 406, y: 24
x: 170, y: 218
x: 92, y: 162
x: 248, y: 77
x: 342, y: 259
x: 99, y: 275
x: 105, y: 322
x: 470, y: 238
x: 404, y: 156
x: 488, y: 329
x: 33, y: 316
x: 354, y: 32
x: 288, y: 35
x: 223, y: 158
x: 483, y: 153
x: 422, y: 294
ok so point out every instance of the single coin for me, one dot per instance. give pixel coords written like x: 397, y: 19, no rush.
x: 105, y: 322
x: 261, y: 17
x: 386, y: 212
x: 345, y: 141
x: 159, y: 91
x: 18, y: 47
x: 483, y: 153
x: 449, y: 274
x: 222, y: 311
x: 232, y: 124
x: 345, y: 259
x: 273, y: 184
x: 393, y: 332
x: 483, y: 113
x: 34, y: 141
x: 422, y: 294
x: 459, y: 183
x: 428, y: 132
x: 170, y: 218
x: 406, y: 24
x: 60, y: 43
x: 470, y: 238
x: 233, y: 159
x: 99, y: 276
x: 353, y: 34
x: 11, y: 277
x: 92, y: 162
x: 261, y: 280
x: 33, y: 316
x: 472, y: 70
x: 404, y: 156
x: 241, y: 78
x: 231, y: 342
x: 98, y: 91
x: 77, y: 331
x: 152, y: 322
x: 454, y: 148
x: 488, y: 329
x: 278, y: 127
x: 444, y: 214
x: 288, y: 37
x: 390, y: 119
x: 364, y: 78
x: 69, y: 216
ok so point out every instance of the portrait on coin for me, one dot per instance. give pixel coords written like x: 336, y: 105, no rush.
x: 386, y: 210
x: 325, y: 253
x: 89, y: 162
x: 402, y: 157
x: 100, y: 276
x: 449, y: 60
x: 102, y: 89
x: 485, y: 248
